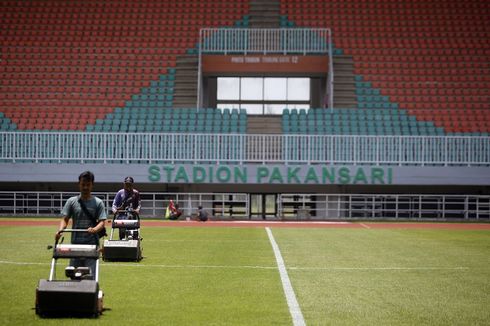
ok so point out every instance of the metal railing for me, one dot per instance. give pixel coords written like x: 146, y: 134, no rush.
x: 150, y: 148
x: 153, y: 204
x: 266, y: 41
x: 315, y: 206
x: 384, y: 206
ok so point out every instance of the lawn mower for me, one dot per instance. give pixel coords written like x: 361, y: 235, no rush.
x: 78, y: 293
x: 128, y: 247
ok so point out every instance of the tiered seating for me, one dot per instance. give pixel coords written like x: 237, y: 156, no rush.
x: 169, y: 120
x: 38, y: 119
x: 419, y: 55
x: 6, y: 124
x: 356, y: 122
x: 66, y: 64
x: 441, y: 115
x: 65, y: 58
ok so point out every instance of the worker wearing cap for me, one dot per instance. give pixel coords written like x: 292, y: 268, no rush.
x: 128, y: 197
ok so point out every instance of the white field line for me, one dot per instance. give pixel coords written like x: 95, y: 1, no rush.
x: 421, y: 268
x: 6, y: 262
x: 364, y: 225
x: 286, y: 222
x: 116, y: 264
x: 140, y: 265
x: 294, y: 308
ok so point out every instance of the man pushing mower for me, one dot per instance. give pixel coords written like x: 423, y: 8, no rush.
x: 80, y: 294
x: 126, y: 208
x: 126, y: 204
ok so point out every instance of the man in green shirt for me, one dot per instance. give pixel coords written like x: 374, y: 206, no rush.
x: 73, y: 210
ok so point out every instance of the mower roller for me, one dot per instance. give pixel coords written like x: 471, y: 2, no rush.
x: 79, y: 293
x: 129, y: 247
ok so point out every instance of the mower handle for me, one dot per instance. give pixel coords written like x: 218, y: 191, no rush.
x: 69, y: 231
x: 73, y: 230
x: 126, y: 211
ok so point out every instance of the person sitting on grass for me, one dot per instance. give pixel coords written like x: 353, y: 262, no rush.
x: 202, y: 214
x: 173, y: 212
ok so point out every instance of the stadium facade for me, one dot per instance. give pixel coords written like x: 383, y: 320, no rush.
x: 265, y: 108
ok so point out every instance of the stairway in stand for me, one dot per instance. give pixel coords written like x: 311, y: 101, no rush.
x: 185, y: 89
x: 264, y: 14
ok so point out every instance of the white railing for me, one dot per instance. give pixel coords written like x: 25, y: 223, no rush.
x: 153, y: 204
x: 384, y: 206
x: 77, y: 147
x: 316, y: 206
x: 266, y: 41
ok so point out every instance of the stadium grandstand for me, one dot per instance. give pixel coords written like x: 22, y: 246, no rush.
x: 255, y: 109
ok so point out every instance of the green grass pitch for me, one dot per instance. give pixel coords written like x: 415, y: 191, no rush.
x: 229, y: 276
